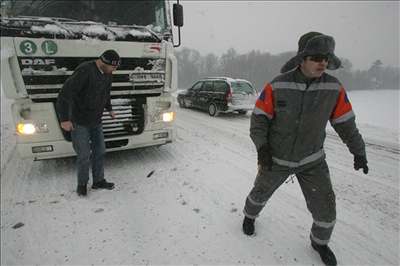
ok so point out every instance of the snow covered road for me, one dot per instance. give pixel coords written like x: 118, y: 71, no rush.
x: 190, y: 210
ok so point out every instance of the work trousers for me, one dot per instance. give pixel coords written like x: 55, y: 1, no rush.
x: 88, y: 143
x: 317, y: 189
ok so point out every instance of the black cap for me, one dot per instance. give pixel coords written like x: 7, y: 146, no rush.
x: 110, y: 57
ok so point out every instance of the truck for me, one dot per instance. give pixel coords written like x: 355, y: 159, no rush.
x: 43, y: 41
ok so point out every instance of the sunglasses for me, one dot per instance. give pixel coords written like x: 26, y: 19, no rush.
x: 318, y: 58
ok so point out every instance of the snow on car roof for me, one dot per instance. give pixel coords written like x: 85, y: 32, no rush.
x: 230, y: 80
x: 243, y: 80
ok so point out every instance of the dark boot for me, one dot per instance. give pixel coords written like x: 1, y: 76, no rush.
x: 248, y: 226
x: 81, y: 190
x: 325, y: 253
x: 103, y: 184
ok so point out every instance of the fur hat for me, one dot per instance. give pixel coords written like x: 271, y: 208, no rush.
x: 314, y: 43
x: 111, y: 57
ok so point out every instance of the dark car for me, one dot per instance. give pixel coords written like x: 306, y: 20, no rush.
x: 219, y: 94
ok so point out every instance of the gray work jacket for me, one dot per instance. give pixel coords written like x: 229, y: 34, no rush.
x: 291, y: 114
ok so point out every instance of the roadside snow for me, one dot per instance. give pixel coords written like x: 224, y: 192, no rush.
x: 379, y: 108
x: 189, y: 211
x: 7, y: 132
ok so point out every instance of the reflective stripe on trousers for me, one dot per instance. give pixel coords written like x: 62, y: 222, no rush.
x: 315, y: 183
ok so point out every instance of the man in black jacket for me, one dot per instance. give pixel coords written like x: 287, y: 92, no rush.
x: 80, y: 106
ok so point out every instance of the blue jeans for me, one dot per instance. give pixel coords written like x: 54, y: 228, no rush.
x: 88, y: 143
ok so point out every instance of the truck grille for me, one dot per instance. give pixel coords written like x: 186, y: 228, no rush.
x: 135, y: 79
x: 129, y: 118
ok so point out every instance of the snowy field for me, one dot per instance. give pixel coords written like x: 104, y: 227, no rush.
x: 190, y: 210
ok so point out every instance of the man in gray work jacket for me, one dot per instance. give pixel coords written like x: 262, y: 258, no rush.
x: 288, y: 129
x: 80, y: 106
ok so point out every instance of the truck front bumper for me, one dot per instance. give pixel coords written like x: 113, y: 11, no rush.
x: 63, y: 148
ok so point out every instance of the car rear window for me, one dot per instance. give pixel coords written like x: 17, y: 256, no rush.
x: 239, y: 86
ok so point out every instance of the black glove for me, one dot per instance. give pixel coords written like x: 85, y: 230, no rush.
x: 264, y: 157
x: 361, y: 162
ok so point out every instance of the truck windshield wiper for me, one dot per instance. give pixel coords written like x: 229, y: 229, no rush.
x: 38, y: 19
x: 155, y: 35
x: 26, y: 22
x: 71, y: 28
x: 136, y: 27
x: 112, y: 28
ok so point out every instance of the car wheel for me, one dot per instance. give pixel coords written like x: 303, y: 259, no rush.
x: 212, y: 109
x: 242, y: 112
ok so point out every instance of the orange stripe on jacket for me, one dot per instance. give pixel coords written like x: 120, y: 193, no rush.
x: 265, y: 101
x: 343, y: 105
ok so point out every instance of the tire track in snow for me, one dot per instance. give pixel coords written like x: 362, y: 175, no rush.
x: 374, y: 146
x: 9, y: 157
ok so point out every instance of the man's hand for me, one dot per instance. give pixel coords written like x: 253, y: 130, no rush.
x: 361, y: 162
x: 264, y: 157
x: 113, y: 114
x: 67, y: 125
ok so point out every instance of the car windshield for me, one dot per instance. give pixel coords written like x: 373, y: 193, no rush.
x: 149, y: 14
x: 242, y: 87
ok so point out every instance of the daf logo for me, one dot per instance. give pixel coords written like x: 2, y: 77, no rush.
x: 37, y: 62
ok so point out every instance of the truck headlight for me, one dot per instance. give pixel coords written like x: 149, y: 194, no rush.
x: 29, y: 128
x: 168, y: 117
x: 26, y: 128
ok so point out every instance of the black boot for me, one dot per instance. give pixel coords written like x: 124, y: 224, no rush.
x: 248, y: 226
x: 325, y: 253
x: 103, y: 184
x: 81, y: 190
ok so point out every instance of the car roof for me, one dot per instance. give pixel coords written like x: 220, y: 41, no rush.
x: 226, y: 79
x: 243, y: 80
x: 219, y: 78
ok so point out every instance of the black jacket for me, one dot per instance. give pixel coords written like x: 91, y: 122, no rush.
x: 84, y: 95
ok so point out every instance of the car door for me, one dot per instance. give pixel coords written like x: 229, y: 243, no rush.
x: 205, y: 94
x: 219, y: 95
x: 192, y: 94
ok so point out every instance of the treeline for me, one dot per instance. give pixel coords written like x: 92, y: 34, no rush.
x: 260, y: 67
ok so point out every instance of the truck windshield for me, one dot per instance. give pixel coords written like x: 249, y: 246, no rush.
x: 150, y: 14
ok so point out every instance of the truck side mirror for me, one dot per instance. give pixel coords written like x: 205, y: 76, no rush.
x: 178, y: 15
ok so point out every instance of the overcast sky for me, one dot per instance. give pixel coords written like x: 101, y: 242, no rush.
x: 364, y: 30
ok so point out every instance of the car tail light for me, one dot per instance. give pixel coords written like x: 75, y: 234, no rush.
x: 229, y: 95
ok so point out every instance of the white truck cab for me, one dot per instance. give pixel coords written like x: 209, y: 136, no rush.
x: 42, y: 42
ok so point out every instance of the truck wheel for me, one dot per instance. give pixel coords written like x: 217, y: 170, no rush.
x: 212, y: 109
